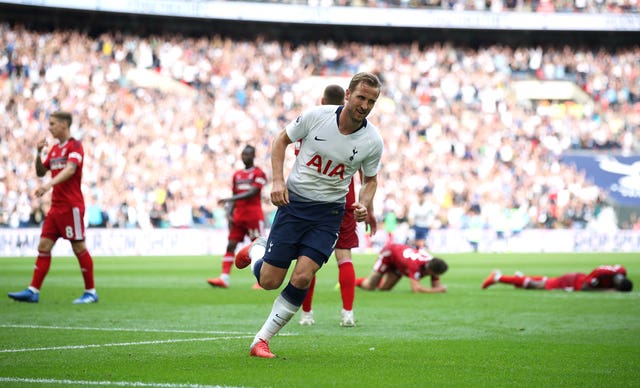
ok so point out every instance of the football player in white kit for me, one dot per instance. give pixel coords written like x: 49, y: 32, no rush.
x: 336, y: 143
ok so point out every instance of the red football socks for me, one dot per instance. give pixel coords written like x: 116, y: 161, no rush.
x: 306, y: 303
x: 347, y: 280
x: 43, y: 263
x: 86, y: 266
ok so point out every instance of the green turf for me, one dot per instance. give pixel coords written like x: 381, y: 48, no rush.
x: 158, y: 322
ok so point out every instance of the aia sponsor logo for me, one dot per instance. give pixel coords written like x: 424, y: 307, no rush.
x: 328, y: 167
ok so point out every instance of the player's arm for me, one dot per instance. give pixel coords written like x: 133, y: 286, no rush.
x: 279, y: 194
x: 371, y: 224
x: 435, y: 288
x: 365, y: 197
x: 64, y: 175
x: 247, y: 194
x: 41, y: 169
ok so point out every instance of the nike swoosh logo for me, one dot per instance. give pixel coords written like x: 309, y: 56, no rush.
x: 319, y: 139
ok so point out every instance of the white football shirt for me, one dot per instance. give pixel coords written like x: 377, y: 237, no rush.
x: 328, y: 159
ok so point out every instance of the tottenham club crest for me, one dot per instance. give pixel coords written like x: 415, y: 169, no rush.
x: 354, y: 151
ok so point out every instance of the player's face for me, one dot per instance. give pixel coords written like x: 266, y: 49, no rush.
x: 428, y: 272
x: 57, y: 127
x: 361, y: 101
x: 247, y: 157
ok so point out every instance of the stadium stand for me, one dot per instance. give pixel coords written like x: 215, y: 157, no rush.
x: 164, y: 114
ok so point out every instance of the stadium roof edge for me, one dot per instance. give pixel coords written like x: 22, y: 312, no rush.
x: 354, y: 16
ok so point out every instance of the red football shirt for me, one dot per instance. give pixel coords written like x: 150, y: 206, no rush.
x: 602, y: 277
x: 406, y: 260
x: 68, y: 193
x: 243, y: 180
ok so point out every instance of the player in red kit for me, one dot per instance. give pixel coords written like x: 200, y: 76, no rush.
x: 398, y: 260
x: 603, y: 278
x: 65, y: 218
x: 244, y: 210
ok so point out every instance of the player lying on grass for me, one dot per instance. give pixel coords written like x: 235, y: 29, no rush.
x: 603, y: 278
x: 398, y: 260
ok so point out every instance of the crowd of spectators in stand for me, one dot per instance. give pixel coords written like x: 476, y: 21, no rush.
x: 161, y: 156
x: 588, y: 6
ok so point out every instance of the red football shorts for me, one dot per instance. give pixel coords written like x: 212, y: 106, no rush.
x: 348, y: 236
x: 565, y: 282
x: 66, y: 223
x: 252, y: 228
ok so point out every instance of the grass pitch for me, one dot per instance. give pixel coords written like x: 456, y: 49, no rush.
x: 159, y: 324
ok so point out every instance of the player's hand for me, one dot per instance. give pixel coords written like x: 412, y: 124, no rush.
x: 279, y: 194
x: 371, y: 223
x: 41, y: 144
x: 360, y: 212
x: 43, y: 189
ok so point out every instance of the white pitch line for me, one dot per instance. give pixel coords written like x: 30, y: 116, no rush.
x: 119, y: 329
x: 114, y: 383
x: 120, y: 344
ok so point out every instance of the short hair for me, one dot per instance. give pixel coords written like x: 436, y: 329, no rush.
x: 437, y: 266
x: 365, y: 77
x: 249, y: 148
x: 333, y: 95
x: 624, y: 285
x: 64, y: 116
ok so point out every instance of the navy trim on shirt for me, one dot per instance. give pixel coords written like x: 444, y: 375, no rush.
x: 364, y: 122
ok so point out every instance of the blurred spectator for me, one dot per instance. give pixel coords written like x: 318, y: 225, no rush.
x: 158, y: 155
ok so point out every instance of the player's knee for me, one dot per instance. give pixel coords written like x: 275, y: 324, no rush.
x: 367, y: 285
x: 301, y: 280
x: 45, y: 245
x: 270, y: 283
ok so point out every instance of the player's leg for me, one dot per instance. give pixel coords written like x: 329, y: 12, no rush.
x: 227, y: 262
x: 48, y: 237
x: 388, y: 281
x: 237, y: 233
x: 40, y: 270
x: 43, y: 262
x: 306, y: 318
x: 371, y: 282
x: 292, y: 235
x: 565, y: 282
x: 74, y: 232
x: 347, y: 239
x: 86, y: 266
x: 380, y: 267
x: 270, y: 258
x: 420, y: 240
x: 256, y: 230
x: 347, y: 281
x: 518, y: 280
x: 285, y: 305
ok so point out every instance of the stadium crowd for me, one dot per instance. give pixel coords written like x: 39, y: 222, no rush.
x: 163, y: 119
x: 588, y: 6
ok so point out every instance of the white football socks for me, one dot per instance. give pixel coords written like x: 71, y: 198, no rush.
x: 281, y: 313
x: 256, y: 252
